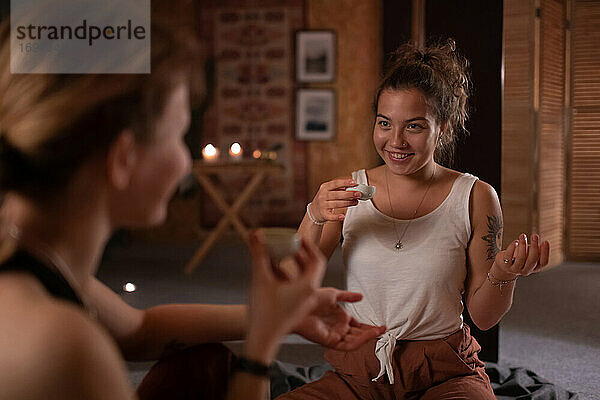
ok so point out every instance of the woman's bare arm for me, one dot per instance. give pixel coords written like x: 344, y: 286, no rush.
x: 148, y: 334
x: 487, y: 300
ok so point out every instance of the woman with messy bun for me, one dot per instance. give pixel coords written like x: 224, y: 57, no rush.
x: 427, y: 238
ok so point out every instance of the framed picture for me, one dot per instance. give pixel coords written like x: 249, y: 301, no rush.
x: 315, y: 56
x: 315, y: 114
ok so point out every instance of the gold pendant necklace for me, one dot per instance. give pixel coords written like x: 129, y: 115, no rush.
x: 399, y: 244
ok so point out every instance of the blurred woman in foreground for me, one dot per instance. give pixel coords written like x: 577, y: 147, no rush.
x: 81, y: 156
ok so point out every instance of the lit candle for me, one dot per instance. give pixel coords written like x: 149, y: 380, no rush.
x: 256, y: 154
x: 236, y: 152
x: 210, y: 153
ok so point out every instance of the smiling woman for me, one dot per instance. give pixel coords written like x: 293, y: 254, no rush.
x: 427, y: 241
x: 405, y: 133
x: 441, y: 75
x: 82, y: 155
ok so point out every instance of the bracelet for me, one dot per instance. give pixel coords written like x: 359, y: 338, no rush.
x: 499, y: 282
x: 312, y: 219
x: 243, y: 364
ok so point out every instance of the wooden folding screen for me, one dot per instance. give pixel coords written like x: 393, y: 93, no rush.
x: 533, y: 124
x: 550, y: 127
x: 583, y: 233
x: 518, y: 118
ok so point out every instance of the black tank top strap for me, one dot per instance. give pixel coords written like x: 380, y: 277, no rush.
x: 54, y: 283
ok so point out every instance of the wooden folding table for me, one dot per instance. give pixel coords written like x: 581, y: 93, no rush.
x: 257, y: 169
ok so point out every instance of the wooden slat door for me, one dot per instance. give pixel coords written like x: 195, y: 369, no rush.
x: 583, y: 231
x: 551, y: 152
x: 533, y: 121
x: 518, y: 118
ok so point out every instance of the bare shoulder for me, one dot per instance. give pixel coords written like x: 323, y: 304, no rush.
x: 53, y: 350
x: 486, y: 217
x: 446, y: 176
x: 484, y: 197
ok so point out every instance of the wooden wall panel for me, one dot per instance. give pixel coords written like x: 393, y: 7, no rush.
x: 533, y: 121
x: 584, y: 172
x: 518, y: 118
x: 551, y: 143
x: 357, y: 25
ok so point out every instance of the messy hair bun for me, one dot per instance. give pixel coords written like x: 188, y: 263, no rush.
x: 441, y: 73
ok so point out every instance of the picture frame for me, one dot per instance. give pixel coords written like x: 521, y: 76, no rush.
x: 315, y: 114
x: 315, y: 56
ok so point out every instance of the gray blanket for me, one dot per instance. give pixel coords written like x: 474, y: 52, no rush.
x: 508, y: 383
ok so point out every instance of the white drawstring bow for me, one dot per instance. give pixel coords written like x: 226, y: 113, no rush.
x: 384, y: 350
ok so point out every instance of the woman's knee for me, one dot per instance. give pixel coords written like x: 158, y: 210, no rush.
x: 198, y: 372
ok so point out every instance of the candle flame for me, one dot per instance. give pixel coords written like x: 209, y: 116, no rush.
x: 236, y: 148
x: 209, y: 150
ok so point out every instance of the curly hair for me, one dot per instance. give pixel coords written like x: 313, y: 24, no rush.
x: 442, y: 74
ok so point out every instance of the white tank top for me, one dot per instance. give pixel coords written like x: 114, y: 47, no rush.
x: 416, y: 291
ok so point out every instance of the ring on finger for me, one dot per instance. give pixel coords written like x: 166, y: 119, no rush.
x: 507, y: 261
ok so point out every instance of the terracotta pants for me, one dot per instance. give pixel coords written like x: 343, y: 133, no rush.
x: 199, y: 373
x: 445, y: 369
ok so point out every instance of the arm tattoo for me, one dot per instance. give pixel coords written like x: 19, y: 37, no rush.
x: 493, y: 237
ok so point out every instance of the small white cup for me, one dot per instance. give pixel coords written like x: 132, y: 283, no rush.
x: 367, y: 192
